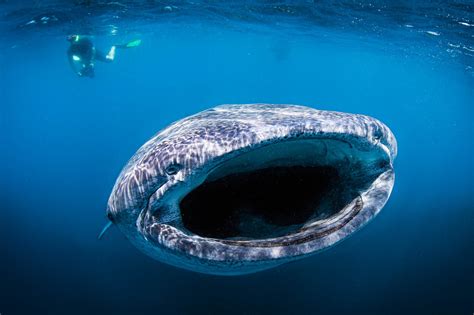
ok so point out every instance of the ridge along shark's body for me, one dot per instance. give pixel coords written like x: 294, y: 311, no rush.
x: 187, y: 197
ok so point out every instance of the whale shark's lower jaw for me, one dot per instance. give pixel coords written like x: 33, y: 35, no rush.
x: 269, y: 203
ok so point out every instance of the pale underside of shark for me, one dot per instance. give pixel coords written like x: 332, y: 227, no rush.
x: 242, y: 188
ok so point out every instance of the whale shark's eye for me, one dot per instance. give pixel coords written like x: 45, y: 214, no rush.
x: 172, y: 169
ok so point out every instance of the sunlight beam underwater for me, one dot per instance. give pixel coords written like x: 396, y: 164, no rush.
x: 241, y: 188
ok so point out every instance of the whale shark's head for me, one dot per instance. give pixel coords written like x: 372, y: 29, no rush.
x: 241, y: 188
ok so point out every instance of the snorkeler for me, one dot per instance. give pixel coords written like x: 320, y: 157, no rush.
x: 82, y: 54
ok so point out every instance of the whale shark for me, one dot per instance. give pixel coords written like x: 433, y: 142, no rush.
x: 241, y: 188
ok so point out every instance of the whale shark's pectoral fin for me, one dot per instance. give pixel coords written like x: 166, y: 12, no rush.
x: 106, y: 227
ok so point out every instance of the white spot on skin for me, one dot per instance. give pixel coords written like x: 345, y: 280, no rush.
x: 433, y: 33
x: 276, y: 252
x: 468, y: 48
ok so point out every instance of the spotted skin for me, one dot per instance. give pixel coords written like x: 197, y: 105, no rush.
x: 166, y: 166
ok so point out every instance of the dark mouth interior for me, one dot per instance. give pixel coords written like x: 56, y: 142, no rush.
x: 274, y: 200
x: 258, y: 204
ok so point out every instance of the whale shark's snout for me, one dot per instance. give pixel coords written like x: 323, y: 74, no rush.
x: 241, y: 188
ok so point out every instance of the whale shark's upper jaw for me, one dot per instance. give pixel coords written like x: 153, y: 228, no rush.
x: 240, y: 204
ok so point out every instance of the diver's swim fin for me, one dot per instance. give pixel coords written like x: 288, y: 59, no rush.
x: 133, y: 43
x: 106, y: 227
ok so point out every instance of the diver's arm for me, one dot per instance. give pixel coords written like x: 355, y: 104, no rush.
x: 71, y: 62
x: 70, y: 58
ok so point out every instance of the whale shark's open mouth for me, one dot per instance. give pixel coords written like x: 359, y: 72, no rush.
x: 280, y: 189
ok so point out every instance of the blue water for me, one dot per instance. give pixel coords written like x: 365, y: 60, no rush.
x: 64, y: 140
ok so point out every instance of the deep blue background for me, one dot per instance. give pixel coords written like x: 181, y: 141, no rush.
x: 64, y: 140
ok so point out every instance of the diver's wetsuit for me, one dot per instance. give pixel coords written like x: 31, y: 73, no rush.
x: 82, y: 55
